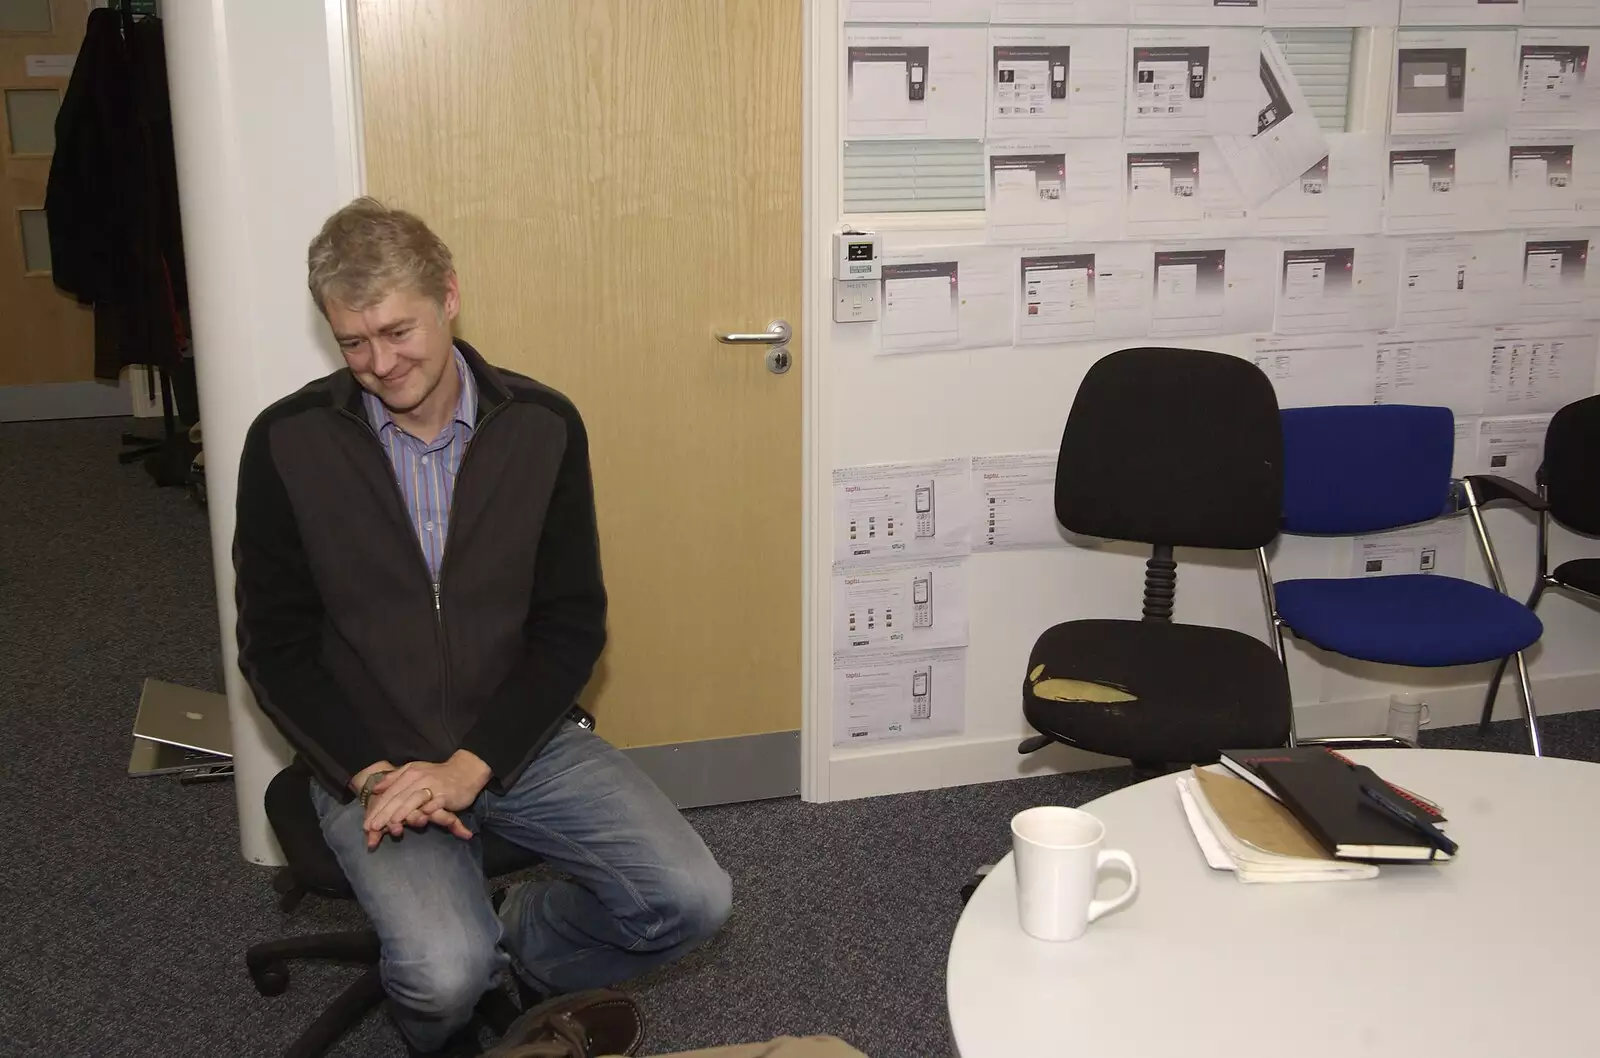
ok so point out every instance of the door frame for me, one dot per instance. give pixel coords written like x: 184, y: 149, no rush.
x: 820, y: 212
x: 819, y: 185
x: 344, y: 81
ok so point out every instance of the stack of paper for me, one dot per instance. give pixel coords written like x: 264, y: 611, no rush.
x: 1241, y: 829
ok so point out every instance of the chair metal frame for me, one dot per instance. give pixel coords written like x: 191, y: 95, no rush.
x: 1463, y: 497
x: 1543, y: 580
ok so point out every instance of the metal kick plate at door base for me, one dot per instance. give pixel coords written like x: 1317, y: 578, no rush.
x: 779, y: 360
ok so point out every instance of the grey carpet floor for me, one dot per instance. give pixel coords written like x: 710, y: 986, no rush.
x: 126, y: 906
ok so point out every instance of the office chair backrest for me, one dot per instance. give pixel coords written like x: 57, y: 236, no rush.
x: 1362, y: 468
x: 1172, y: 446
x: 1571, y: 470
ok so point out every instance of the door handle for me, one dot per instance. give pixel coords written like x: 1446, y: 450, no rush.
x: 778, y: 332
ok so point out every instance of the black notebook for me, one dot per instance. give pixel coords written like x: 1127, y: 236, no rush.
x: 1324, y: 793
x: 1245, y: 763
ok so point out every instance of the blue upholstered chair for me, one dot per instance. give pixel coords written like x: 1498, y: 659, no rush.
x: 1354, y: 470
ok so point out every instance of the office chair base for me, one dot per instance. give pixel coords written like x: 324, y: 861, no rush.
x: 269, y: 972
x: 340, y: 1016
x: 267, y: 962
x: 287, y: 886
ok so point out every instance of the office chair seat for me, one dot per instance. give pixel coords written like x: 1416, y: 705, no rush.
x: 1154, y: 691
x: 1418, y: 619
x: 294, y: 821
x: 1580, y: 573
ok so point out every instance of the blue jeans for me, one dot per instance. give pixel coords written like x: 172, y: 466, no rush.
x: 642, y: 888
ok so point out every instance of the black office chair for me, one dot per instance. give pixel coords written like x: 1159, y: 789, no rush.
x: 1171, y: 448
x: 312, y: 868
x: 1568, y: 483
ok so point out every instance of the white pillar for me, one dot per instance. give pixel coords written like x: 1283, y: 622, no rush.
x: 264, y: 130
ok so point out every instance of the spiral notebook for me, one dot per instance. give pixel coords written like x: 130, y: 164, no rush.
x: 1245, y: 763
x: 1324, y: 792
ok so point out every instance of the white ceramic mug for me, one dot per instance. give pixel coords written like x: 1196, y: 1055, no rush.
x: 1058, y: 859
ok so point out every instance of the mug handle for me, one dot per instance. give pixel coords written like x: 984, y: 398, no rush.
x: 1105, y: 907
x: 1422, y: 721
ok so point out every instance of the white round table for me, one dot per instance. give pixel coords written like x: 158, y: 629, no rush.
x: 1495, y: 954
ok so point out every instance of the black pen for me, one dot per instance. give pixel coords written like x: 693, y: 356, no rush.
x: 1436, y: 837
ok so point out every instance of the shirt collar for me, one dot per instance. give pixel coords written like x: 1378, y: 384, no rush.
x: 466, y: 401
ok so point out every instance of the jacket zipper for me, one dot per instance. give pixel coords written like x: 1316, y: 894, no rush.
x: 444, y: 553
x: 398, y: 494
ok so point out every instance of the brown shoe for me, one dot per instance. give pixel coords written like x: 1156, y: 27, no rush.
x: 589, y: 1024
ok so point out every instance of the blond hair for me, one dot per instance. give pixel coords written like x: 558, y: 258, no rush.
x: 367, y: 251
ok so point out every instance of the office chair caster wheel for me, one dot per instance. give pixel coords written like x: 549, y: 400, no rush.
x: 972, y: 883
x: 271, y: 979
x: 289, y: 890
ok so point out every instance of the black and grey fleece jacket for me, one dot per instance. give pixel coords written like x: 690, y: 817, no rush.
x: 341, y: 637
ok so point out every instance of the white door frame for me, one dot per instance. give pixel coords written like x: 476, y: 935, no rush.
x: 344, y: 79
x: 821, y: 211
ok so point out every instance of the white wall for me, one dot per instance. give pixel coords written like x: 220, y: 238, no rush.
x: 263, y: 128
x: 871, y: 409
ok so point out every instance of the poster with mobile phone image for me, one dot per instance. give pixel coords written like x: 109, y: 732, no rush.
x: 1056, y: 81
x: 1453, y: 81
x: 898, y: 697
x: 899, y: 606
x: 900, y: 510
x: 1192, y: 82
x: 914, y: 82
x: 1439, y: 548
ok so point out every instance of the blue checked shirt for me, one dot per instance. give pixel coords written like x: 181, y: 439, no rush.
x: 427, y: 472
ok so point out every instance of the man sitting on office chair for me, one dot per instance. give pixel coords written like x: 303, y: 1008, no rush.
x: 430, y: 691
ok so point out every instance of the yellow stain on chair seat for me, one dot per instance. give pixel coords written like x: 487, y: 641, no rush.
x: 1056, y: 689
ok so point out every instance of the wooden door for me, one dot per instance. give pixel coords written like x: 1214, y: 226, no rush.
x: 45, y: 336
x: 619, y: 180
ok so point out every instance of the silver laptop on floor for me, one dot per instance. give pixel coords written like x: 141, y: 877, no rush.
x: 184, y: 717
x: 161, y: 758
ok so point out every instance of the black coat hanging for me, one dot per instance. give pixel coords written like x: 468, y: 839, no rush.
x: 116, y: 240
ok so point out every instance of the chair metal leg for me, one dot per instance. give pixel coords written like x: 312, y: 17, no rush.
x: 1500, y: 669
x: 1528, y: 712
x: 1270, y: 598
x: 1488, y: 699
x: 339, y: 1018
x: 1283, y: 659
